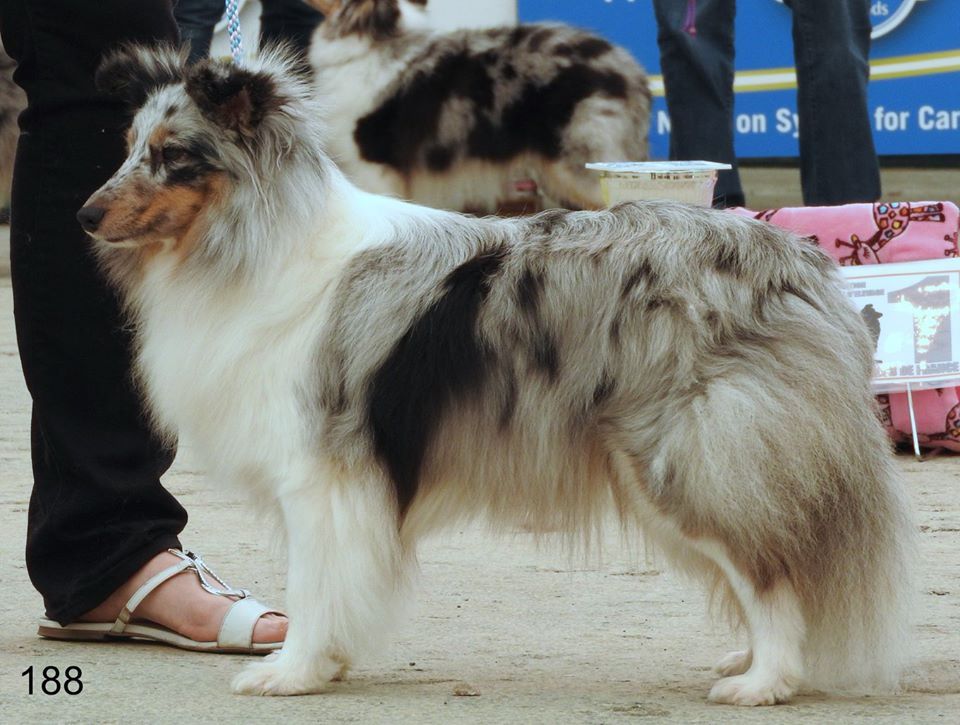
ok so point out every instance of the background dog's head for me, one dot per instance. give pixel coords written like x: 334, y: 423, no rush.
x: 198, y: 133
x: 372, y: 19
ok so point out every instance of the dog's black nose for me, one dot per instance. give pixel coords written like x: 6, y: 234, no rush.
x: 90, y: 217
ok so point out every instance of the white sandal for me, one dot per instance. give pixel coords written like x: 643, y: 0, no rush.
x: 236, y: 630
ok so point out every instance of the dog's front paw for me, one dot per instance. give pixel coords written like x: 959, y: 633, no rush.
x: 280, y: 677
x: 751, y: 690
x: 734, y: 663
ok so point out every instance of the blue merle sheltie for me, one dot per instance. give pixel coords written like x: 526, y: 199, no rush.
x: 450, y: 119
x: 375, y: 370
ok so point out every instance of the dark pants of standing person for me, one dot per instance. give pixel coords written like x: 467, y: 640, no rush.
x: 831, y: 43
x: 289, y: 21
x: 98, y: 512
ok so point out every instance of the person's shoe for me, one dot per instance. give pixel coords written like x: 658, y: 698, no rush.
x: 236, y: 630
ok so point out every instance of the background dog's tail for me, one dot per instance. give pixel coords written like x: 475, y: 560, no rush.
x: 858, y: 611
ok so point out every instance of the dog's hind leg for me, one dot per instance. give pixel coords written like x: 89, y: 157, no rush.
x: 345, y: 572
x: 771, y: 671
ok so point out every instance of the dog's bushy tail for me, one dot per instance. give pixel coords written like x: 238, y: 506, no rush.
x: 825, y: 509
x: 858, y: 612
x: 857, y: 582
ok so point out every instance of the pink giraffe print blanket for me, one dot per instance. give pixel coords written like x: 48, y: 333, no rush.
x: 875, y: 234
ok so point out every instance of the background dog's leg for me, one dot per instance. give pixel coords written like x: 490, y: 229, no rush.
x: 345, y: 571
x: 777, y: 629
x: 734, y: 663
x: 570, y: 185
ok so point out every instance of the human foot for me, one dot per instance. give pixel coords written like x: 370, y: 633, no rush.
x: 181, y: 605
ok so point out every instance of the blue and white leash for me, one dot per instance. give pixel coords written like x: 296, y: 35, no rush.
x: 233, y: 28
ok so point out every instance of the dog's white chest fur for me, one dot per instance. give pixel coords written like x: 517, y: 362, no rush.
x: 223, y: 371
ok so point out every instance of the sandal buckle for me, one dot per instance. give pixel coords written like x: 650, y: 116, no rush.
x: 202, y: 570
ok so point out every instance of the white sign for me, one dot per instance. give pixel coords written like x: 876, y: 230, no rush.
x: 912, y: 309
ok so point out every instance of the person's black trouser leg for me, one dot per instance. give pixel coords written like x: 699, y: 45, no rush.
x: 288, y: 21
x: 697, y: 72
x: 831, y: 45
x: 98, y: 511
x: 196, y: 20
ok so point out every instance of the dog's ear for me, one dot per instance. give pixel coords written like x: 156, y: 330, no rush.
x: 133, y: 72
x: 234, y: 98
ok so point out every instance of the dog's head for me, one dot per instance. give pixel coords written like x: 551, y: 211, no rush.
x: 373, y: 19
x: 197, y: 132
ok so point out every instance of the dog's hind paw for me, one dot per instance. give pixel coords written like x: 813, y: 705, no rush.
x: 278, y: 677
x: 751, y: 690
x: 734, y: 663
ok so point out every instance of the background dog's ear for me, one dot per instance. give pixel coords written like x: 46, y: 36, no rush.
x: 133, y: 72
x: 232, y: 97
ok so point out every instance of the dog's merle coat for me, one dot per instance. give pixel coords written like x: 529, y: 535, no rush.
x: 375, y: 370
x: 451, y: 118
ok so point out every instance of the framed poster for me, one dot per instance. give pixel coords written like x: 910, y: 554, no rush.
x: 912, y: 310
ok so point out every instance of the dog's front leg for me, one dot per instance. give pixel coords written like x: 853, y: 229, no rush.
x: 345, y: 572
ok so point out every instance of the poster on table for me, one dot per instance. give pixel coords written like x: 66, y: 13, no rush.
x: 912, y: 310
x: 914, y: 95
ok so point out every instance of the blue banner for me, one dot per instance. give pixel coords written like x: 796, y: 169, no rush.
x: 914, y: 95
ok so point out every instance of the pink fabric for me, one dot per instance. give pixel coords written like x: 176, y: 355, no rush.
x: 888, y: 232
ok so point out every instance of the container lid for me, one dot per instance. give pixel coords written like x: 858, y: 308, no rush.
x: 657, y: 167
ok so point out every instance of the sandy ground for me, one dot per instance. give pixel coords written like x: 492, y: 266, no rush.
x: 540, y: 640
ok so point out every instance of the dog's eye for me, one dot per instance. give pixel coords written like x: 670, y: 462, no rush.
x: 173, y: 153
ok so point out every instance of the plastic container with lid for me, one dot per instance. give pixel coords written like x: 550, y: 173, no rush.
x: 689, y: 181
